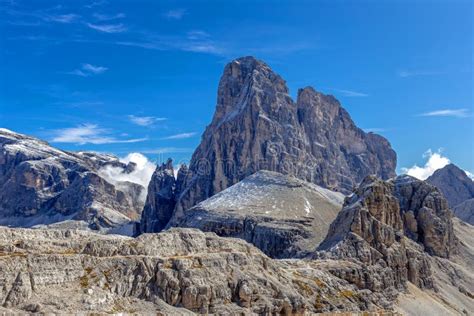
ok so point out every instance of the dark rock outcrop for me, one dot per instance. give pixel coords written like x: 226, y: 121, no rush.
x: 161, y: 200
x: 257, y: 126
x: 388, y: 228
x: 458, y: 189
x: 283, y: 216
x: 42, y: 185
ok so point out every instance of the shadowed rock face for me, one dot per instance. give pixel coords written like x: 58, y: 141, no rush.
x: 257, y: 126
x: 283, y: 216
x: 40, y: 184
x: 390, y: 227
x: 161, y: 201
x: 458, y: 189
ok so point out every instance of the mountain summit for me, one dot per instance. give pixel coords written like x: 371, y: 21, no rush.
x: 257, y: 126
x: 458, y: 189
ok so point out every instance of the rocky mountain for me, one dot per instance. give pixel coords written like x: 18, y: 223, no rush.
x: 458, y: 189
x: 42, y: 185
x: 396, y: 233
x: 282, y: 216
x: 257, y: 126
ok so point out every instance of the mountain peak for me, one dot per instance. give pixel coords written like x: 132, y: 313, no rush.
x: 454, y: 183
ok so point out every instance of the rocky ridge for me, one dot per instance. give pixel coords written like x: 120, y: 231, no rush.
x: 42, y: 185
x: 257, y: 126
x: 391, y: 232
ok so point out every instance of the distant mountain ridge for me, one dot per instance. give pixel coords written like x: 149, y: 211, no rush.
x: 42, y: 185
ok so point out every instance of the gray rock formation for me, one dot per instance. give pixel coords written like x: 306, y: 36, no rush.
x: 41, y: 185
x: 387, y: 229
x: 458, y: 189
x: 257, y: 126
x: 176, y: 272
x: 282, y: 216
x: 465, y: 211
x: 161, y: 199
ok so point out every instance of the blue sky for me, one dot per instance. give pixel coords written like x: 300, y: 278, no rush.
x: 142, y: 76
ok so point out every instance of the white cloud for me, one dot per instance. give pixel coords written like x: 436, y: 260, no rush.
x: 62, y: 18
x: 416, y: 73
x: 167, y: 150
x: 87, y: 70
x: 108, y: 17
x: 141, y: 174
x: 108, y: 28
x: 350, y: 93
x: 448, y: 112
x: 435, y: 161
x: 180, y: 136
x: 145, y: 120
x: 88, y: 134
x: 176, y: 14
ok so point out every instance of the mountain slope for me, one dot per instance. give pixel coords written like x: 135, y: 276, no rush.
x: 41, y: 185
x: 281, y: 215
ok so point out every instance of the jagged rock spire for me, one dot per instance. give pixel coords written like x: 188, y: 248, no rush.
x: 257, y: 126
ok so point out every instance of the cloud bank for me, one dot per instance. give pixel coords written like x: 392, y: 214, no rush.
x: 140, y: 175
x: 435, y: 161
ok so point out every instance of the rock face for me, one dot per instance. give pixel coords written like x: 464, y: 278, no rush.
x: 458, y: 189
x: 43, y: 185
x: 257, y: 126
x: 282, y: 216
x: 178, y: 272
x: 161, y: 200
x: 388, y: 229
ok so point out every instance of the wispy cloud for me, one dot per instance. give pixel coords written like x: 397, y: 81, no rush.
x: 88, y: 134
x: 416, y: 73
x: 145, y: 120
x: 63, y: 18
x: 95, y: 4
x: 108, y: 28
x: 40, y: 16
x: 374, y: 130
x: 87, y: 70
x: 197, y: 35
x: 166, y: 150
x: 175, y: 14
x: 193, y: 41
x: 108, y: 17
x: 349, y: 93
x: 448, y: 113
x: 180, y: 136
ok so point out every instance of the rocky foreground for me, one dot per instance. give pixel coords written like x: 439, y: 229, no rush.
x: 185, y: 271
